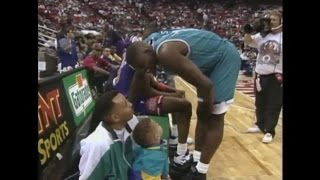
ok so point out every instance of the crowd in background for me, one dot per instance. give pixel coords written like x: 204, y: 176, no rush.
x: 115, y: 24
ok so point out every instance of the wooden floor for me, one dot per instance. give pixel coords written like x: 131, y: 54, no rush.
x: 241, y: 156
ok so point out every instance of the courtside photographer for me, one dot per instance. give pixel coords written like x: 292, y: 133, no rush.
x: 268, y: 81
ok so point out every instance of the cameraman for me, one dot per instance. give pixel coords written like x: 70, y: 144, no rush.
x: 268, y: 80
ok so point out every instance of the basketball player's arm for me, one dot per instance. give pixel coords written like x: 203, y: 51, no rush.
x: 172, y: 56
x: 141, y: 85
x: 137, y: 86
x: 157, y: 89
x: 165, y: 88
x: 160, y: 86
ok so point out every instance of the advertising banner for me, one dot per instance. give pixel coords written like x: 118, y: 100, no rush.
x: 79, y: 95
x: 55, y: 129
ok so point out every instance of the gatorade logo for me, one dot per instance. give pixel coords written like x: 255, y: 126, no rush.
x: 80, y: 95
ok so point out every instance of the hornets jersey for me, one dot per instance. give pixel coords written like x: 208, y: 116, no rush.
x: 216, y: 57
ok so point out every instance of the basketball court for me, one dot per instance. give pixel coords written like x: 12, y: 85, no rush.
x: 241, y: 156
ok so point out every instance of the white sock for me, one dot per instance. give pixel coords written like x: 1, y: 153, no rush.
x: 196, y: 156
x: 202, y: 168
x: 174, y: 130
x: 182, y: 148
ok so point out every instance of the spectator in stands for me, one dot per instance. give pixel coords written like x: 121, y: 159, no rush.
x: 107, y: 151
x: 99, y: 68
x: 206, y: 61
x: 67, y: 50
x: 89, y: 40
x: 114, y: 38
x: 112, y: 55
x: 268, y: 83
x: 152, y: 160
x: 136, y: 37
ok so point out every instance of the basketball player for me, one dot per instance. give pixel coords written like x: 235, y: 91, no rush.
x: 208, y: 62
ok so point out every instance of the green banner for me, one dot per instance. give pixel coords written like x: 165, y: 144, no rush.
x: 79, y: 95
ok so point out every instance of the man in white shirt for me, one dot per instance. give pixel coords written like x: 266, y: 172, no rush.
x: 268, y: 83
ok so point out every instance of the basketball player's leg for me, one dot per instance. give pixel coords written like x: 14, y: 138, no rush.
x: 182, y: 108
x: 213, y: 137
x: 209, y: 133
x: 161, y: 105
x: 173, y: 140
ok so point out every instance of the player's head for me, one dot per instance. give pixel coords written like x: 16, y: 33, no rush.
x: 141, y: 56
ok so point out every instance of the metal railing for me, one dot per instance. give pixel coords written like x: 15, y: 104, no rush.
x: 45, y: 34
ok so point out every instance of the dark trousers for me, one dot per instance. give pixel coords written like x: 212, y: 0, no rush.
x: 99, y: 80
x: 268, y: 103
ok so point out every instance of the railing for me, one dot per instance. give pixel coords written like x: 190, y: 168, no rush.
x: 45, y: 34
x: 46, y: 28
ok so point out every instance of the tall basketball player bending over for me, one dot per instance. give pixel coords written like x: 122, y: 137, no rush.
x: 208, y: 62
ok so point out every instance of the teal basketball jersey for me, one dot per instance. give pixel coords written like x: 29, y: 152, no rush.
x: 216, y: 57
x: 205, y: 48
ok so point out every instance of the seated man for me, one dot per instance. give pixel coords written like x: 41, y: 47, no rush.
x: 101, y: 68
x: 107, y: 151
x: 150, y: 97
x: 168, y: 79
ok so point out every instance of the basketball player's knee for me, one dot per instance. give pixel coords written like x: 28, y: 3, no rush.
x: 216, y: 122
x: 186, y: 106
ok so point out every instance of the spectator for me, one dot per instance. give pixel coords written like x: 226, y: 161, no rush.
x: 107, y: 151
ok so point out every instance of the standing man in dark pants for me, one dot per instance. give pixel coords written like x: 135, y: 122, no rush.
x: 268, y: 81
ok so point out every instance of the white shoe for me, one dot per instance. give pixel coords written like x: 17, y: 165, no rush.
x: 254, y: 129
x: 267, y: 138
x: 182, y: 159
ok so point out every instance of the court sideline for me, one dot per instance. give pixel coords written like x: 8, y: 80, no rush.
x: 241, y: 156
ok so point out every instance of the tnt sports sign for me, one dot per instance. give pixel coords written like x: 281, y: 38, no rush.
x: 79, y: 95
x: 55, y: 124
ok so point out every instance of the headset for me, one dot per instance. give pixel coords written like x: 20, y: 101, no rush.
x: 276, y: 28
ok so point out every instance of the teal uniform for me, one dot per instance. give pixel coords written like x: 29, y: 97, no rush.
x: 216, y: 57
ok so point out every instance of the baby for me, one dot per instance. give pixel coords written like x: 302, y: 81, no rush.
x: 152, y: 161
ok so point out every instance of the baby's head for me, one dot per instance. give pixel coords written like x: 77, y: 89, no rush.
x: 147, y: 133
